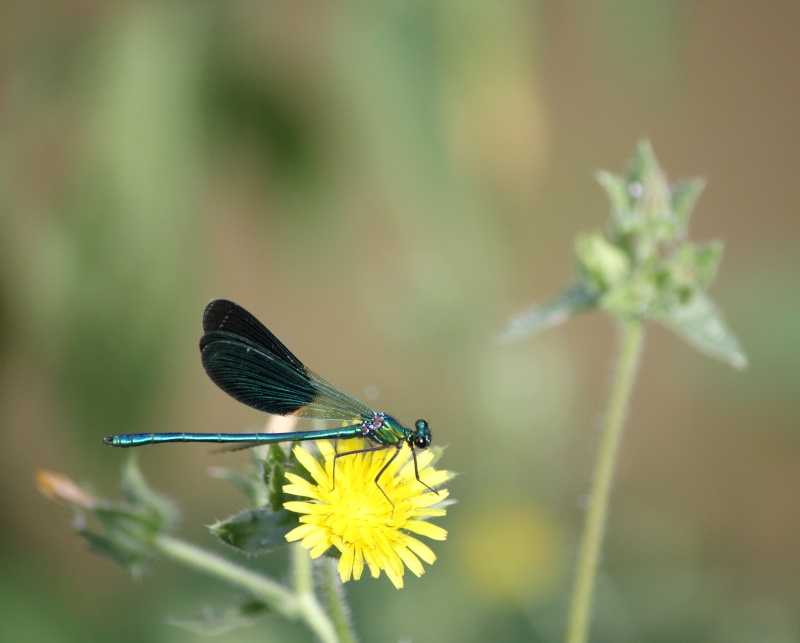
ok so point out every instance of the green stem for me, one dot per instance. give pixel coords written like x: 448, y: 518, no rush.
x: 297, y: 605
x: 600, y: 492
x: 312, y: 611
x: 337, y: 607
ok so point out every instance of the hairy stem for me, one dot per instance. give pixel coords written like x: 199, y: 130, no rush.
x: 337, y: 606
x: 310, y: 607
x: 300, y: 604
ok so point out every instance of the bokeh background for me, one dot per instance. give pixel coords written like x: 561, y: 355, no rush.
x: 384, y: 185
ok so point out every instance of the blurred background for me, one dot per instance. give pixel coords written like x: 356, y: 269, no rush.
x: 384, y: 186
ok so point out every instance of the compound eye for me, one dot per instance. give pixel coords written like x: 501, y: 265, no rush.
x: 422, y: 441
x: 421, y: 425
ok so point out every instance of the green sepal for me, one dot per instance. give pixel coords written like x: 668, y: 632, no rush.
x: 699, y: 322
x: 276, y: 455
x: 256, y: 531
x: 274, y: 474
x: 538, y: 318
x: 214, y: 623
x: 332, y: 553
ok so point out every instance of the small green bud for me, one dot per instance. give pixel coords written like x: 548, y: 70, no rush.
x: 601, y: 264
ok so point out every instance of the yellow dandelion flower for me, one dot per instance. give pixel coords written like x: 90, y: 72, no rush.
x: 354, y: 516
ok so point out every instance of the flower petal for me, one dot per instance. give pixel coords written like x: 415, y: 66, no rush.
x: 421, y: 550
x: 312, y: 466
x: 301, y: 532
x: 301, y: 507
x: 411, y: 561
x: 429, y: 499
x: 424, y: 528
x: 345, y: 566
x: 317, y: 550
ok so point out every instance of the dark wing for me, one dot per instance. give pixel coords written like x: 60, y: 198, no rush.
x: 225, y: 316
x: 265, y: 375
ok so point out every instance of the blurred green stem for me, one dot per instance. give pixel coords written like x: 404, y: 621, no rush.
x: 302, y: 603
x: 337, y: 607
x: 600, y: 492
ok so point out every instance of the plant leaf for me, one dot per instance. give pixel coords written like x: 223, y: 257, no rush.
x: 534, y: 320
x: 699, y: 322
x: 256, y: 531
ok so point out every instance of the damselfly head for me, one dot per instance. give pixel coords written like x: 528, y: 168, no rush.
x: 422, y: 434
